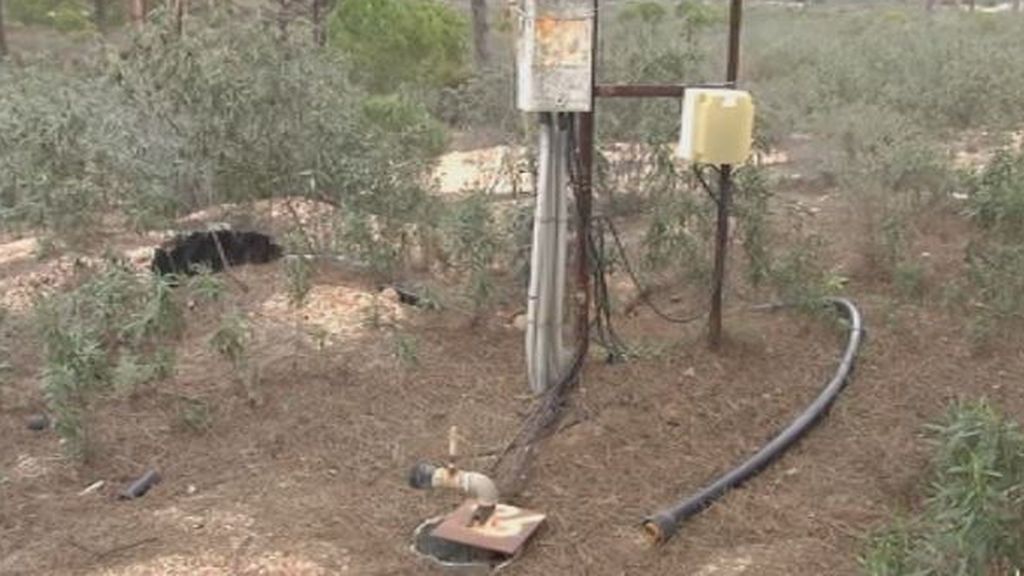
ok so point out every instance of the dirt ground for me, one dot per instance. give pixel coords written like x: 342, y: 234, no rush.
x: 310, y: 478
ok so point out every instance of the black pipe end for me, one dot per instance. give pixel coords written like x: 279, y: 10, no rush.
x: 421, y: 476
x: 660, y: 527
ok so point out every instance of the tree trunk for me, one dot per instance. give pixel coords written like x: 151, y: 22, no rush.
x: 99, y: 14
x: 973, y: 4
x: 929, y: 5
x: 179, y: 16
x: 319, y: 35
x: 480, y: 49
x: 1016, y: 5
x: 137, y: 13
x: 3, y: 35
x: 282, y: 18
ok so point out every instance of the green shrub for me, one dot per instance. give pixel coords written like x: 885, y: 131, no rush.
x: 69, y: 144
x: 110, y: 330
x: 647, y: 12
x: 996, y: 195
x: 226, y: 113
x: 395, y: 42
x: 407, y: 124
x: 995, y: 258
x: 473, y: 241
x: 69, y: 17
x: 973, y: 522
x: 880, y: 149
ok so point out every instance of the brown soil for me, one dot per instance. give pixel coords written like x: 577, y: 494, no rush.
x: 306, y: 474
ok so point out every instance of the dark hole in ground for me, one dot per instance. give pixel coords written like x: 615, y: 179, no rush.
x: 454, y: 554
x: 186, y: 253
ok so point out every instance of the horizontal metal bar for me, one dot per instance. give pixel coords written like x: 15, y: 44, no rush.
x: 649, y: 90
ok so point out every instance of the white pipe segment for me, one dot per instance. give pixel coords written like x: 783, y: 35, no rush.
x: 473, y: 484
x: 546, y: 295
x: 533, y: 294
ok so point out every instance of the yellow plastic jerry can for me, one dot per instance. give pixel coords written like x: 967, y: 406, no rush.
x: 718, y: 126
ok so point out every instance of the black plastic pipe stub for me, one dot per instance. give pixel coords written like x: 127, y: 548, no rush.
x: 421, y: 476
x: 660, y: 527
x: 140, y: 487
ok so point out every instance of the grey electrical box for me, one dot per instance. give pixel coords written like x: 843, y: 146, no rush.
x: 554, y: 55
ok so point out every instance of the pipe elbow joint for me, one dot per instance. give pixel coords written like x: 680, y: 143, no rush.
x: 426, y: 476
x: 481, y: 487
x: 421, y: 477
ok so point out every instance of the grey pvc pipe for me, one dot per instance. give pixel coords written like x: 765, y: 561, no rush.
x: 562, y: 243
x: 545, y: 306
x: 533, y: 294
x: 661, y: 526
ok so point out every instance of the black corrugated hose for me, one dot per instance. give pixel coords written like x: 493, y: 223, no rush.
x: 661, y: 526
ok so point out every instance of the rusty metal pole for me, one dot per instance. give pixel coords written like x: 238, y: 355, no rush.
x: 724, y: 192
x: 584, y: 202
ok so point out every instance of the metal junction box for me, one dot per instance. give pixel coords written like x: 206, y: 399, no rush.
x: 554, y: 60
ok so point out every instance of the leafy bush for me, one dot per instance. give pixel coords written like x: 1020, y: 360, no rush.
x: 880, y: 149
x: 995, y: 259
x: 68, y: 144
x: 473, y: 241
x: 224, y: 114
x: 973, y: 522
x: 109, y: 330
x: 996, y: 195
x: 485, y: 100
x: 396, y: 42
x: 809, y: 63
x: 64, y: 15
x: 405, y: 123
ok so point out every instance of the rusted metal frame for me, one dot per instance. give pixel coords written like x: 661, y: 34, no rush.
x: 724, y: 192
x: 584, y: 203
x: 650, y: 90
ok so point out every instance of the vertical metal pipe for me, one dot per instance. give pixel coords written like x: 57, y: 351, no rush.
x: 721, y: 246
x: 735, y: 18
x: 584, y: 200
x: 724, y: 191
x: 562, y: 243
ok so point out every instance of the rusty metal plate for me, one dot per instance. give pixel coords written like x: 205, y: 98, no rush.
x: 554, y: 61
x: 563, y: 42
x: 506, y: 531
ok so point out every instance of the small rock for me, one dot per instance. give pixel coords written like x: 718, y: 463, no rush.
x: 191, y: 489
x: 520, y: 322
x: 690, y: 372
x: 38, y: 422
x: 391, y: 295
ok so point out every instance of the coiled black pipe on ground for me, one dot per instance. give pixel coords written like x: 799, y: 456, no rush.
x: 661, y: 526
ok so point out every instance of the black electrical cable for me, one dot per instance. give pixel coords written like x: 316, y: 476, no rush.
x: 661, y: 526
x: 704, y: 183
x: 606, y: 335
x: 641, y: 290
